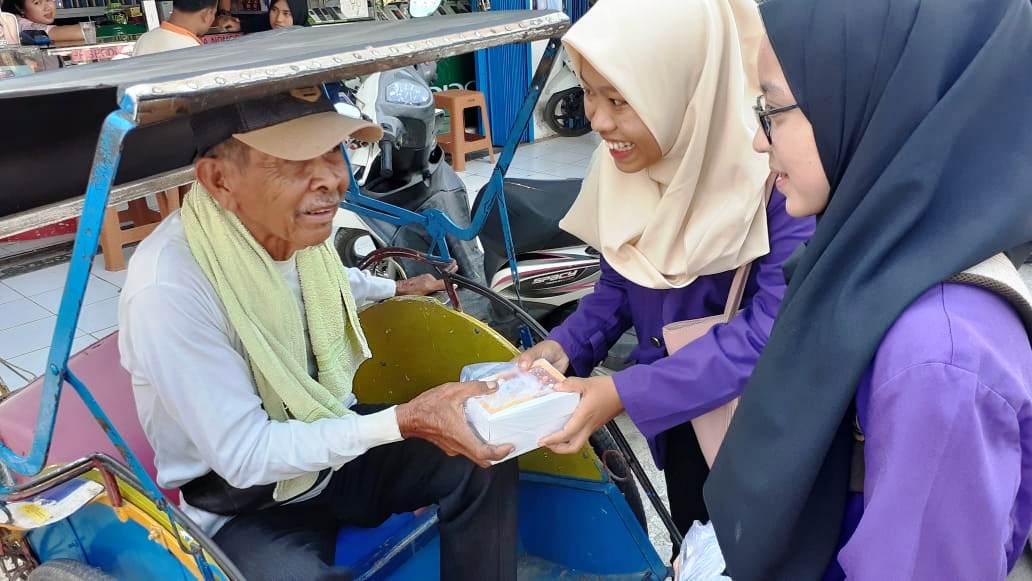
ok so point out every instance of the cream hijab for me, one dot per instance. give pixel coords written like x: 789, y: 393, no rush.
x: 682, y: 66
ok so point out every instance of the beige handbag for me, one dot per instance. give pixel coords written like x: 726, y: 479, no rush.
x: 711, y: 427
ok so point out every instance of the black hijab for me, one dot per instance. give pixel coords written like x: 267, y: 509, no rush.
x: 922, y: 112
x: 260, y: 22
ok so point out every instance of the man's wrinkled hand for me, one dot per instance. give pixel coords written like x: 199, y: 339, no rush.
x: 549, y: 350
x: 439, y: 416
x: 422, y: 285
x: 599, y: 403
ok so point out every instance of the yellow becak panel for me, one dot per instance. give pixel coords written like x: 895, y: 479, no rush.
x: 418, y: 343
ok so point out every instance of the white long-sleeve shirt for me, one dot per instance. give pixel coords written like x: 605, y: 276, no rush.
x: 194, y: 390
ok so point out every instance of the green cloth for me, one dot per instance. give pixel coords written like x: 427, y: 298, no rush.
x: 265, y: 315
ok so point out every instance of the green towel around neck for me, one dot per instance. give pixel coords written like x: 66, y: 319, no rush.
x: 265, y: 315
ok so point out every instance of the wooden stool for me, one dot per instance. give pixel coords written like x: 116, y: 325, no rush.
x: 113, y: 238
x: 458, y: 143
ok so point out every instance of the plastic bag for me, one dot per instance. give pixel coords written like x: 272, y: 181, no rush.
x: 525, y: 407
x: 700, y: 558
x: 515, y: 386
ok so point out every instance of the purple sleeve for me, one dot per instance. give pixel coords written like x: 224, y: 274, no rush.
x: 600, y: 319
x: 713, y: 369
x: 942, y: 463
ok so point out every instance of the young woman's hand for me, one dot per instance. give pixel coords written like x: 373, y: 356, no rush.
x: 599, y: 403
x: 549, y: 350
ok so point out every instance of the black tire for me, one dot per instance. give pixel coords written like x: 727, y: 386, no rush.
x: 564, y: 113
x: 68, y: 570
x: 556, y: 317
x: 602, y: 441
x: 345, y: 242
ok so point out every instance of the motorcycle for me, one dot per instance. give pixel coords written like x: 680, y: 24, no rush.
x: 407, y: 168
x: 556, y: 269
x: 563, y: 111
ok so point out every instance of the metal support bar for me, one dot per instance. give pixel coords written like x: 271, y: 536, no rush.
x: 186, y: 544
x: 439, y: 224
x: 72, y: 207
x: 643, y: 479
x: 105, y: 163
x: 116, y: 438
x: 102, y: 175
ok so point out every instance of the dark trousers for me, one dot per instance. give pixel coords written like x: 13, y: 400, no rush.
x: 476, y: 511
x: 685, y: 473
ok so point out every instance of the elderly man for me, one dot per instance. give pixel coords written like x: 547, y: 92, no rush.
x: 241, y: 334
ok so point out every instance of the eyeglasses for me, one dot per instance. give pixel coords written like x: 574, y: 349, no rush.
x: 764, y: 113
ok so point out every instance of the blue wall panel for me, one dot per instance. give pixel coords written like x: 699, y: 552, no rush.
x: 576, y: 8
x: 503, y: 75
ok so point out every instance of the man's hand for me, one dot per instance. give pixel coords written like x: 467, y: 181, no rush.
x: 439, y: 416
x: 599, y: 403
x: 422, y: 285
x: 549, y: 350
x: 419, y: 286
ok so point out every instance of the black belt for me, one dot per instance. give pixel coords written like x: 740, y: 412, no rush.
x: 213, y: 494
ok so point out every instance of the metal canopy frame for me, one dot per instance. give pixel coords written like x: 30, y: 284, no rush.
x: 144, y: 101
x: 163, y: 86
x: 73, y: 207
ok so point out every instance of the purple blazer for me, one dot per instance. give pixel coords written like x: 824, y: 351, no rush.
x: 662, y: 391
x: 946, y: 413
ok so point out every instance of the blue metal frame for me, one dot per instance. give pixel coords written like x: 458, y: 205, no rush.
x: 438, y: 224
x: 102, y: 176
x: 105, y: 162
x: 619, y: 545
x: 639, y: 535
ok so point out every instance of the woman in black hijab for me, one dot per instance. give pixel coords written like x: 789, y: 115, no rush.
x: 281, y: 14
x: 906, y: 125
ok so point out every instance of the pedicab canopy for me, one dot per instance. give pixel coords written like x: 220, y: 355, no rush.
x: 52, y: 119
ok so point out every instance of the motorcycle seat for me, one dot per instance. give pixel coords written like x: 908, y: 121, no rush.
x: 535, y: 208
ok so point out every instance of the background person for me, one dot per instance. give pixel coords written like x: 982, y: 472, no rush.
x: 190, y: 19
x: 281, y: 14
x: 39, y: 15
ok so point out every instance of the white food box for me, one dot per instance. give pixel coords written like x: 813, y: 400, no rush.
x: 523, y: 424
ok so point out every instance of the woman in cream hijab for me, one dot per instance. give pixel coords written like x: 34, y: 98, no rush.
x: 675, y: 202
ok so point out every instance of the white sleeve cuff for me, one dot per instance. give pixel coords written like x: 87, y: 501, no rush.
x: 380, y: 428
x: 382, y: 288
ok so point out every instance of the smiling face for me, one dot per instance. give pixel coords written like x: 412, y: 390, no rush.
x: 280, y: 15
x: 40, y: 11
x: 793, y: 148
x: 630, y: 142
x: 286, y: 205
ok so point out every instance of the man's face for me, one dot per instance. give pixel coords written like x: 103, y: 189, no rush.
x: 286, y: 205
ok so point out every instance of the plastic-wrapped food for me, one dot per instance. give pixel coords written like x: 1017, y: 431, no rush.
x: 525, y: 407
x: 700, y: 558
x: 515, y: 386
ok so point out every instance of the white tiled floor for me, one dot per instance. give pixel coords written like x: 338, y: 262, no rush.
x: 29, y: 302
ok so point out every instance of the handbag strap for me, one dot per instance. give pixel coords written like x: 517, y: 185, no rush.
x: 734, y: 296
